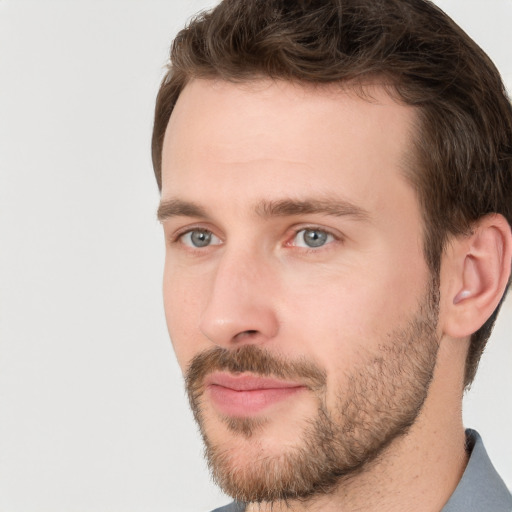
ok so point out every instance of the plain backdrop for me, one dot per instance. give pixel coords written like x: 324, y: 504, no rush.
x: 93, y: 415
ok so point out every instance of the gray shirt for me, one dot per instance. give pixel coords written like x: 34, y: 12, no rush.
x: 480, y: 489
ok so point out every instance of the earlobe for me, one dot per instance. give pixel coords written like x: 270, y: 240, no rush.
x: 480, y: 269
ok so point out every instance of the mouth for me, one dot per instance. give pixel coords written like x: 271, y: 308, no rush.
x: 242, y: 395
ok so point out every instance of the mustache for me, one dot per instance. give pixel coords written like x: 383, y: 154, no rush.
x: 253, y: 359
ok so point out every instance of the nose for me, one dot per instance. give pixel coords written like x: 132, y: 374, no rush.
x: 239, y: 309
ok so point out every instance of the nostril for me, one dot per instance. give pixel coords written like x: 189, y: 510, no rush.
x: 250, y: 333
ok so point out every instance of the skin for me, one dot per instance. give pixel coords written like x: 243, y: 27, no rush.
x: 227, y: 149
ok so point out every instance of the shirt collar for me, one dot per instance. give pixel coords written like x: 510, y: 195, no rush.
x: 480, y: 487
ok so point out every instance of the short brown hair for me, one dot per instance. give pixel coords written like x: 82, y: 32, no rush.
x: 464, y: 142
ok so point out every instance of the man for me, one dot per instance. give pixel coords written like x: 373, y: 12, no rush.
x: 336, y: 198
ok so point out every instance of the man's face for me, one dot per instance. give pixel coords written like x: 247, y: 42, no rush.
x: 296, y: 294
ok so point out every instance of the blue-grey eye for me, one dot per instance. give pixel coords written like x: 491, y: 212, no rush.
x: 312, y: 238
x: 199, y: 238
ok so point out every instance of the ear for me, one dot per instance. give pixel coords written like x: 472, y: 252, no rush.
x: 474, y: 274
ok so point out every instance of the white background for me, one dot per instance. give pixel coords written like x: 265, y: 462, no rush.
x: 93, y: 415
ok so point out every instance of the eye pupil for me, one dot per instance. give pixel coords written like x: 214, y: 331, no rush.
x: 200, y: 238
x: 314, y: 238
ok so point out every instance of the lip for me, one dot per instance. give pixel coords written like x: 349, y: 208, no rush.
x: 246, y: 394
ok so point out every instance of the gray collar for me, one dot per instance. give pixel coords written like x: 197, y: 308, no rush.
x: 480, y: 489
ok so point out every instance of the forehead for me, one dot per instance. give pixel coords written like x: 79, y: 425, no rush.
x: 270, y: 131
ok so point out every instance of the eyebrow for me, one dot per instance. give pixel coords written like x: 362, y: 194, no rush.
x: 280, y: 208
x: 289, y: 207
x: 178, y: 208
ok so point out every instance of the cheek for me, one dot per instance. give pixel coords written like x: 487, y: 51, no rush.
x: 182, y: 307
x: 342, y: 303
x: 339, y: 315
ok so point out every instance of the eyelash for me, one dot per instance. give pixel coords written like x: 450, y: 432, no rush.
x: 178, y: 236
x: 334, y: 239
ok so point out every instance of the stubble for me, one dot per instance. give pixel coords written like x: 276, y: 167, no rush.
x: 380, y: 400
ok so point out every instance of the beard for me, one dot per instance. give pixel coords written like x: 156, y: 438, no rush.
x: 378, y: 400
